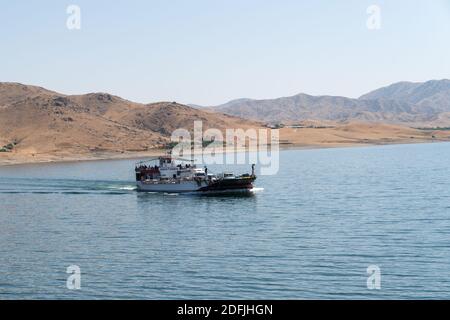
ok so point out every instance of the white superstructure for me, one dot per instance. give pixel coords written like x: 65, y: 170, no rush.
x: 165, y: 175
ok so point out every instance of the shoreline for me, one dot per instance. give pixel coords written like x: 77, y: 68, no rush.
x: 109, y: 156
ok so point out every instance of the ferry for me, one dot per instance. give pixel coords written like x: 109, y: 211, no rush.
x: 170, y: 175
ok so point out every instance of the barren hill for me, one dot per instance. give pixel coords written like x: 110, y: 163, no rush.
x: 41, y: 125
x: 41, y: 122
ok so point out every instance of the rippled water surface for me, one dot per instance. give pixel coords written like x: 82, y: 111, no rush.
x: 311, y: 233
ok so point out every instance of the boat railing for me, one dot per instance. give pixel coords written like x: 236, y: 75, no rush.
x: 168, y: 180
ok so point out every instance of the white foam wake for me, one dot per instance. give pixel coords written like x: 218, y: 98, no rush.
x: 128, y: 188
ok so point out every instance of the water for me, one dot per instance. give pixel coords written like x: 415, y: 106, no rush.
x: 312, y: 232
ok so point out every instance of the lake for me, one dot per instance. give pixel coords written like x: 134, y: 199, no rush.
x: 310, y: 232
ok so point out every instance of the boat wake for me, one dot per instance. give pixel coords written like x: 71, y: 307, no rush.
x: 69, y: 187
x: 87, y: 187
x: 126, y: 188
x: 257, y: 190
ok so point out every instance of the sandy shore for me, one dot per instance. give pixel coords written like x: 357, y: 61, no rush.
x: 11, y: 159
x: 339, y: 136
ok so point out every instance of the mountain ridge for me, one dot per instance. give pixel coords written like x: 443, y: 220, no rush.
x: 39, y: 125
x: 40, y: 121
x: 420, y: 103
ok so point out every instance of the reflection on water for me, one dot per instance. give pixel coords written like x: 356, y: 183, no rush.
x: 309, y: 232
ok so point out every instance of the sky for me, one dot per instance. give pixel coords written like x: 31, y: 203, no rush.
x: 208, y: 52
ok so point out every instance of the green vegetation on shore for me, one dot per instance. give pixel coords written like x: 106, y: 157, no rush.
x: 9, y: 147
x: 435, y: 129
x: 205, y: 143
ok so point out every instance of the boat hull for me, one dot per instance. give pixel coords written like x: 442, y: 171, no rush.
x: 230, y: 185
x: 184, y: 187
x: 238, y: 185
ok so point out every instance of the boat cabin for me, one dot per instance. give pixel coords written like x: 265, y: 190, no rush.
x: 167, y: 168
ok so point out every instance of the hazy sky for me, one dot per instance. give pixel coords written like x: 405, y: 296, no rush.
x: 210, y: 51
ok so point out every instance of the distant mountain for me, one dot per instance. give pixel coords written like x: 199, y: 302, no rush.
x: 403, y: 102
x: 410, y: 91
x: 432, y: 97
x: 37, y: 124
x: 40, y: 121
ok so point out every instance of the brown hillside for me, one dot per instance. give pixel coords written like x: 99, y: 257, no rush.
x: 43, y: 122
x: 43, y: 125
